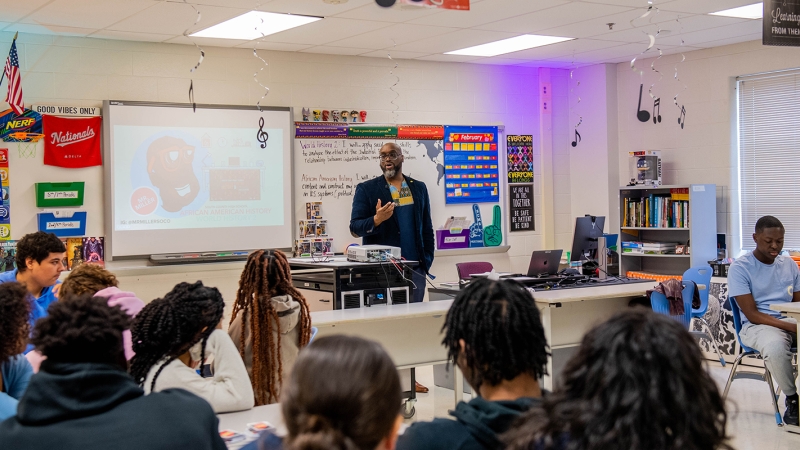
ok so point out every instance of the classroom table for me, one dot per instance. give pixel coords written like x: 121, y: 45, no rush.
x: 237, y: 421
x: 791, y: 310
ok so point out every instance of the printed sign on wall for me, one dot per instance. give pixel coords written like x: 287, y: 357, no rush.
x: 470, y: 165
x: 520, y: 214
x: 25, y: 127
x: 5, y: 208
x: 72, y: 143
x: 781, y: 23
x: 520, y: 158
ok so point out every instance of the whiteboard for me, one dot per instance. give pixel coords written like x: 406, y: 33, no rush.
x: 183, y: 181
x: 328, y: 170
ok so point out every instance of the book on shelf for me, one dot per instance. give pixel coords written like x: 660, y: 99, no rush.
x: 679, y: 194
x: 655, y: 211
x: 632, y: 250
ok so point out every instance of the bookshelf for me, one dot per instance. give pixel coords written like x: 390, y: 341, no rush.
x: 677, y: 214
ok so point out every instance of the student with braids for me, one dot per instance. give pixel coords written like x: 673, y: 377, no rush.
x: 638, y: 381
x: 15, y: 370
x: 344, y: 394
x: 84, y: 399
x: 270, y: 322
x: 95, y: 280
x: 494, y: 334
x: 174, y: 334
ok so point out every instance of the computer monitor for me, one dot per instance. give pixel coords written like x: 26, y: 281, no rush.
x: 584, y: 241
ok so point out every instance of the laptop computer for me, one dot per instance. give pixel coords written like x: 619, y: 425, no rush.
x: 544, y: 263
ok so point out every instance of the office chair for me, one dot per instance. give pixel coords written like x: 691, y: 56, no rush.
x: 747, y: 351
x: 701, y: 276
x: 466, y: 269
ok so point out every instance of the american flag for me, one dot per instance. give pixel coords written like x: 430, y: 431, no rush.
x: 14, y: 96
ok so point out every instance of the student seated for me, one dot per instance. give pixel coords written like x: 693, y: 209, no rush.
x: 95, y: 280
x: 344, y: 394
x: 83, y: 398
x: 494, y: 334
x: 637, y: 381
x: 15, y: 309
x: 172, y: 336
x: 39, y: 264
x: 760, y: 279
x: 276, y: 320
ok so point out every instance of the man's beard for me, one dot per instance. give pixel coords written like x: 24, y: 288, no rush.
x: 389, y: 173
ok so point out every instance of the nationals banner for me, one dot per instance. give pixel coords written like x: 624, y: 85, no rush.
x: 72, y: 143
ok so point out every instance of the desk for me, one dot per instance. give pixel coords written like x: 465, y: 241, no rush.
x: 791, y: 310
x: 347, y: 280
x: 410, y: 333
x: 237, y: 421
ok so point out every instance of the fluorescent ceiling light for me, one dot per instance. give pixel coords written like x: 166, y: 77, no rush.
x: 254, y: 25
x: 754, y: 11
x: 509, y: 45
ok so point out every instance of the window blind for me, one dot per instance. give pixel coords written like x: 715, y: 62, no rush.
x: 769, y: 153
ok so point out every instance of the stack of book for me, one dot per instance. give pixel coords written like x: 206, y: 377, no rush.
x: 657, y: 211
x: 649, y: 248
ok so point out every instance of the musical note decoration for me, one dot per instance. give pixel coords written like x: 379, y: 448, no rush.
x: 657, y: 105
x: 578, y: 102
x: 577, y: 138
x: 641, y: 114
x: 261, y: 135
x: 682, y: 118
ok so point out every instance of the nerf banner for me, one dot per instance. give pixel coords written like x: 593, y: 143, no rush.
x: 72, y: 143
x: 26, y: 127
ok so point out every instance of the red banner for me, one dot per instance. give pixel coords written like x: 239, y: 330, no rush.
x: 462, y: 5
x: 431, y: 132
x: 72, y: 143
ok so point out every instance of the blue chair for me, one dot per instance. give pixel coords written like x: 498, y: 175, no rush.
x: 701, y: 276
x: 747, y: 351
x: 661, y: 305
x: 313, y: 334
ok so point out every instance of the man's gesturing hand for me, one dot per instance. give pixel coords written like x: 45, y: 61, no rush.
x: 382, y: 213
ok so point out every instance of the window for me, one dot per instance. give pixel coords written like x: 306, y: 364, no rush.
x: 769, y: 153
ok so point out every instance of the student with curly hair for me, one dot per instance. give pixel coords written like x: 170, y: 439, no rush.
x: 39, y: 264
x: 14, y: 329
x: 83, y: 398
x: 638, y: 381
x: 270, y: 322
x: 95, y: 280
x: 174, y: 334
x: 344, y: 394
x: 494, y: 333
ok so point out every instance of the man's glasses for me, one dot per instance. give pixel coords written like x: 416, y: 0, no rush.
x: 391, y: 156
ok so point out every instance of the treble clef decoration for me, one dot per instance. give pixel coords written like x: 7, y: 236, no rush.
x: 262, y: 136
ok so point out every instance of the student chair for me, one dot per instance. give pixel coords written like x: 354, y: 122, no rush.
x: 701, y: 276
x: 466, y: 269
x: 313, y: 334
x: 747, y: 351
x: 661, y: 305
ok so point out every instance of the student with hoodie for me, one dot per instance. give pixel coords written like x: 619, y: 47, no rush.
x: 270, y: 323
x: 173, y: 335
x: 494, y: 334
x: 83, y: 398
x: 95, y: 280
x: 15, y: 309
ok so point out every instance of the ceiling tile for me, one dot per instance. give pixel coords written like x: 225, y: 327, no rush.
x: 497, y: 61
x: 454, y: 41
x: 327, y: 30
x: 557, y: 16
x: 704, y: 7
x: 745, y: 28
x: 597, y: 27
x: 561, y: 49
x: 278, y: 46
x: 48, y: 29
x: 348, y: 51
x: 395, y: 54
x: 14, y: 11
x: 307, y: 7
x: 448, y: 58
x: 131, y: 36
x: 672, y: 28
x: 486, y: 12
x: 630, y: 3
x: 87, y: 13
x: 734, y: 40
x: 174, y: 18
x: 372, y: 11
x: 205, y: 41
x: 388, y: 37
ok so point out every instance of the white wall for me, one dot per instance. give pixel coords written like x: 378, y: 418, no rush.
x: 705, y: 150
x: 85, y: 71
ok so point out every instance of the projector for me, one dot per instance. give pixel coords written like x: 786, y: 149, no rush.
x: 372, y: 253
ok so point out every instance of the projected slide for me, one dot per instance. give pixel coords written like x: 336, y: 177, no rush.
x: 169, y: 178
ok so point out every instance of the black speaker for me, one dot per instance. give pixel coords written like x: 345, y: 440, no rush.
x: 385, y: 3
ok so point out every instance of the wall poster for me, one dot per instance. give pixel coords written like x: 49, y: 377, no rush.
x: 470, y: 165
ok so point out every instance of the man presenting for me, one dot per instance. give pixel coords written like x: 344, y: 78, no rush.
x: 395, y: 210
x: 758, y: 280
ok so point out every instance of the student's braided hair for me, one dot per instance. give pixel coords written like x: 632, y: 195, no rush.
x: 168, y: 327
x: 267, y: 275
x: 501, y: 329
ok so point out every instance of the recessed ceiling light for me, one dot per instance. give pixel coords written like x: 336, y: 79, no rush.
x: 754, y: 11
x: 254, y: 25
x: 509, y: 45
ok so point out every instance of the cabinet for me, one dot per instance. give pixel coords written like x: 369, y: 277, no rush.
x: 682, y: 214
